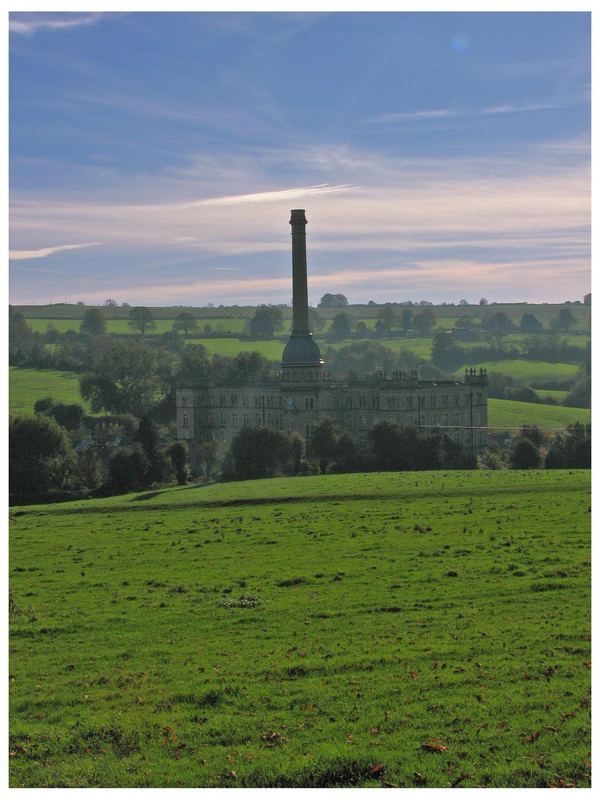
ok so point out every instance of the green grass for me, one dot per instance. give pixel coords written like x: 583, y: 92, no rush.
x: 529, y: 371
x: 381, y: 612
x: 510, y: 414
x: 270, y: 348
x: 122, y: 325
x: 556, y: 394
x: 28, y: 385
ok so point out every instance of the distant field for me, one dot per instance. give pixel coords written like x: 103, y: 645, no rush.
x: 514, y: 414
x: 529, y: 371
x: 28, y: 385
x: 416, y: 629
x: 557, y: 394
x: 271, y: 348
x: 122, y: 325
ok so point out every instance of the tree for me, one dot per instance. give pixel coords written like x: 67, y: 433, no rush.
x: 323, y: 442
x: 445, y: 353
x: 208, y: 454
x: 296, y: 451
x: 195, y: 365
x: 93, y: 322
x: 392, y: 448
x: 185, y: 322
x: 333, y: 301
x: 128, y: 470
x: 525, y: 455
x: 463, y: 303
x: 580, y: 396
x: 564, y: 321
x: 483, y: 302
x: 499, y: 324
x: 315, y: 320
x: 361, y: 329
x: 530, y: 324
x: 341, y: 326
x: 387, y: 318
x: 68, y: 415
x: 126, y: 376
x: 147, y: 436
x: 110, y: 303
x: 141, y: 319
x: 425, y: 321
x: 259, y: 452
x: 406, y: 317
x: 40, y: 456
x: 266, y: 320
x: 178, y: 454
x: 571, y: 448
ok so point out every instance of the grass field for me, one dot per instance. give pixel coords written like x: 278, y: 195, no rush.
x: 416, y: 629
x: 508, y: 414
x: 557, y: 394
x: 122, y: 325
x: 529, y: 371
x: 28, y: 385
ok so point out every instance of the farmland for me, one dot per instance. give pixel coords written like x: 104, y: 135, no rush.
x: 513, y: 414
x: 28, y: 385
x: 412, y: 629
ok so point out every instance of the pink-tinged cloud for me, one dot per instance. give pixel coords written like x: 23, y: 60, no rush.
x: 44, y: 252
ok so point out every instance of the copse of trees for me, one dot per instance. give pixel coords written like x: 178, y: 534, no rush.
x: 186, y: 322
x: 141, y: 320
x: 127, y: 376
x: 93, y: 322
x: 333, y: 301
x: 266, y: 320
x: 40, y: 457
x: 341, y: 326
x: 258, y: 453
x: 68, y: 415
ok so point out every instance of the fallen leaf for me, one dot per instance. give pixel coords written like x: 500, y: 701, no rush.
x: 377, y: 769
x: 434, y: 747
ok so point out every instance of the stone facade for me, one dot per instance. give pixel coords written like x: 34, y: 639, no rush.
x: 297, y: 396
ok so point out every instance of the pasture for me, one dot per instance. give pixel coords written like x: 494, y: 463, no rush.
x: 512, y: 414
x: 28, y: 385
x: 532, y: 372
x: 412, y: 629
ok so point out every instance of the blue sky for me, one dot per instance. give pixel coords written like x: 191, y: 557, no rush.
x: 154, y: 157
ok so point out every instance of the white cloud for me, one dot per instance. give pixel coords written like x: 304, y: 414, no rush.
x: 28, y: 24
x: 44, y: 252
x: 454, y: 113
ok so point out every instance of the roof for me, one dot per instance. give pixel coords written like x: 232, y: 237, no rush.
x: 301, y: 350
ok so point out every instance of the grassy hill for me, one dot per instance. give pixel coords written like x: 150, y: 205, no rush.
x: 510, y: 414
x: 416, y: 629
x: 28, y: 385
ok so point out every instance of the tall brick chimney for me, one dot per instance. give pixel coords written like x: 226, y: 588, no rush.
x: 301, y: 349
x: 299, y: 281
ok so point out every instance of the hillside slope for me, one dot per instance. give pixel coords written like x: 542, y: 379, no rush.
x: 323, y: 631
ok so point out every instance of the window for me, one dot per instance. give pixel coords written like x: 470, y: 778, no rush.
x: 184, y: 400
x: 185, y: 420
x: 246, y: 419
x: 456, y: 400
x: 234, y: 419
x: 245, y: 402
x: 433, y: 401
x: 456, y: 419
x: 409, y: 402
x: 222, y: 418
x: 257, y: 419
x: 233, y: 399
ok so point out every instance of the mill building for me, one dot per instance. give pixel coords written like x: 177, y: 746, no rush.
x: 301, y: 392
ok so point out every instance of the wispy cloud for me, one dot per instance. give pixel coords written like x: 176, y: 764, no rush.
x: 28, y: 24
x: 455, y: 113
x: 44, y: 252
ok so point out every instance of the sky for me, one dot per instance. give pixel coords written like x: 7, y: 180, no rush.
x: 154, y: 157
